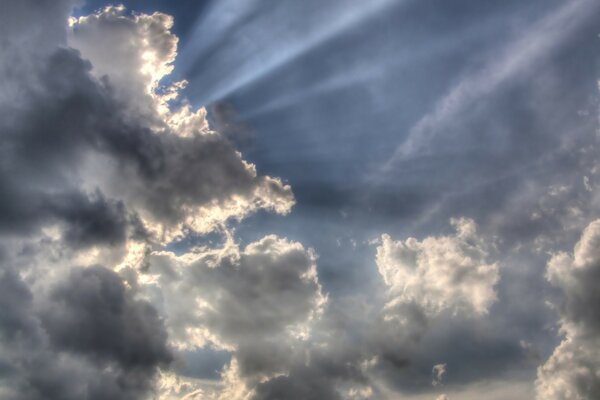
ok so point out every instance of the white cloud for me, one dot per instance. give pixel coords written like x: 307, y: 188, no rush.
x: 198, y: 180
x: 438, y: 370
x: 572, y: 372
x: 440, y: 273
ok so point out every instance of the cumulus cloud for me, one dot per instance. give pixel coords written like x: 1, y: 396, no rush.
x: 99, y: 167
x: 258, y: 302
x: 136, y: 65
x: 103, y: 167
x: 430, y: 284
x: 571, y: 372
x: 440, y: 273
x: 88, y: 137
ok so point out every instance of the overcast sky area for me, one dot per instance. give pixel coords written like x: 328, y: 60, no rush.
x: 299, y: 200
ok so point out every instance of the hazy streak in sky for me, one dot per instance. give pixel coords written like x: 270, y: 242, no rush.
x: 262, y: 55
x: 212, y: 28
x: 382, y: 67
x: 517, y: 57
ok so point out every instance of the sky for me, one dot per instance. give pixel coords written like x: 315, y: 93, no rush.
x: 317, y: 199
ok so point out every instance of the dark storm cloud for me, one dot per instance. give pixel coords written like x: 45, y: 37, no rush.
x: 87, y: 339
x: 93, y: 313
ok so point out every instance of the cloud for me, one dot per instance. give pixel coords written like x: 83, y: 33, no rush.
x: 324, y: 374
x: 571, y: 372
x: 136, y: 65
x: 258, y: 302
x: 99, y: 166
x: 439, y: 273
x: 439, y: 370
x: 105, y: 170
x: 430, y: 284
x: 86, y: 338
x: 92, y: 312
x: 303, y: 387
x: 87, y: 137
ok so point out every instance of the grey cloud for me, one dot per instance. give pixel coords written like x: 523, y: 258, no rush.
x: 45, y: 140
x: 298, y: 387
x: 63, y: 125
x: 86, y: 174
x: 260, y: 303
x: 91, y: 220
x: 354, y: 360
x: 274, y: 280
x: 16, y: 301
x: 329, y: 372
x: 93, y: 313
x: 577, y: 275
x: 87, y: 339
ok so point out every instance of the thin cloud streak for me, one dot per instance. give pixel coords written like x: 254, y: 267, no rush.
x: 369, y: 71
x: 517, y: 57
x: 213, y: 26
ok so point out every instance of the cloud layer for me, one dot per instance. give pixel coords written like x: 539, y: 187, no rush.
x: 126, y: 266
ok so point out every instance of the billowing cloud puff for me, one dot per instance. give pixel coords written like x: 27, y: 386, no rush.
x: 107, y: 134
x: 439, y: 273
x: 571, y: 373
x: 439, y: 278
x: 135, y: 65
x: 259, y: 302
